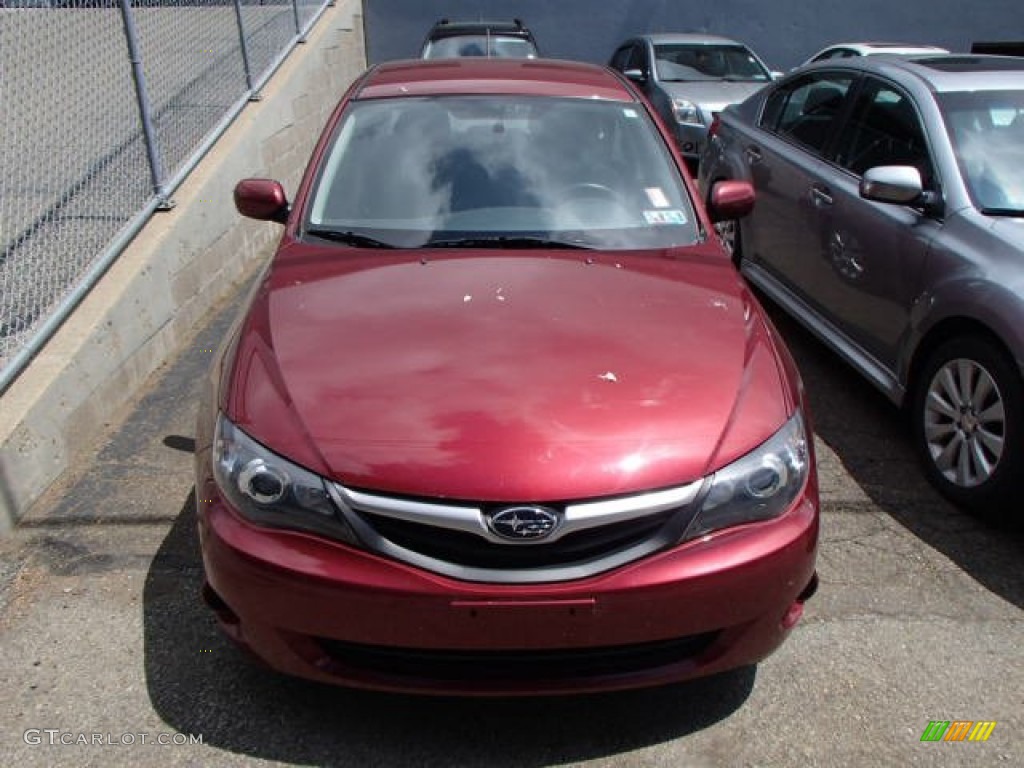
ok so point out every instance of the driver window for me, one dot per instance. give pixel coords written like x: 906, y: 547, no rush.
x: 638, y: 59
x: 883, y: 129
x: 807, y: 111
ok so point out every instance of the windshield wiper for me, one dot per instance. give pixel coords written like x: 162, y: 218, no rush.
x: 505, y: 241
x: 1015, y: 213
x: 349, y: 238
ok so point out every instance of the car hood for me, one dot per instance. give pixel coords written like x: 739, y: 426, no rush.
x: 1010, y: 230
x: 530, y: 376
x: 712, y: 95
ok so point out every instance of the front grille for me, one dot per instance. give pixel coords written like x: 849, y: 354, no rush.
x: 482, y: 666
x: 455, y: 539
x: 472, y: 551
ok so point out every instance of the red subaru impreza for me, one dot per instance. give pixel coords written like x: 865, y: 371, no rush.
x: 500, y: 416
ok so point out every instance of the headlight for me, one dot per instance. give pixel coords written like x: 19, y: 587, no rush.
x: 686, y: 112
x: 758, y: 486
x: 270, y: 490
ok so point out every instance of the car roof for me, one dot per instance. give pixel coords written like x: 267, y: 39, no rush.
x: 541, y: 77
x: 446, y: 28
x: 692, y: 38
x: 866, y: 47
x: 941, y: 72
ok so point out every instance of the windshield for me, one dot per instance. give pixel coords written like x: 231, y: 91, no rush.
x: 409, y: 172
x: 684, y: 62
x: 987, y: 132
x: 480, y: 45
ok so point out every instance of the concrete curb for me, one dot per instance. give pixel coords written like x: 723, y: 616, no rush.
x: 176, y: 270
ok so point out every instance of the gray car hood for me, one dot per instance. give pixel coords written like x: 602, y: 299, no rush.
x: 711, y: 95
x: 1010, y: 230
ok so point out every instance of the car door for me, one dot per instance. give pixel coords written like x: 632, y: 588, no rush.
x: 787, y: 164
x: 872, y: 254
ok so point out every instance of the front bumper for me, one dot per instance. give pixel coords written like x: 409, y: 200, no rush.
x: 690, y: 139
x: 326, y: 611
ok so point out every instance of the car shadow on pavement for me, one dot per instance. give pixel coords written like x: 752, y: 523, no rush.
x: 872, y: 439
x: 199, y: 683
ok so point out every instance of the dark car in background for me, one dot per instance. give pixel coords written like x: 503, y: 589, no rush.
x: 501, y: 417
x: 492, y: 39
x: 689, y: 78
x: 999, y: 47
x: 890, y: 221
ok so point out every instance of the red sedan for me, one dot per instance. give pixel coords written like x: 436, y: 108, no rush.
x: 500, y: 416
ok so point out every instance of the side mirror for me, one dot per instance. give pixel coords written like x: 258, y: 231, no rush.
x: 636, y: 75
x: 730, y: 200
x: 261, y: 199
x: 899, y: 185
x: 891, y: 184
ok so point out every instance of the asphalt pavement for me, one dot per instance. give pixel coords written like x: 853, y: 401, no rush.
x: 106, y: 650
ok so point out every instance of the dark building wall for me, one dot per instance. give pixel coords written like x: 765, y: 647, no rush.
x: 783, y: 32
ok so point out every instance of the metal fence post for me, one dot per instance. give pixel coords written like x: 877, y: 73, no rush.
x: 298, y: 22
x: 244, y: 44
x: 156, y: 166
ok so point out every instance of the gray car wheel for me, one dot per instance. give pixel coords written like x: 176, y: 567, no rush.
x: 967, y: 419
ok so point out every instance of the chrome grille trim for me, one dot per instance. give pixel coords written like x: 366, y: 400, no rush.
x: 457, y: 518
x: 592, y: 514
x: 470, y: 519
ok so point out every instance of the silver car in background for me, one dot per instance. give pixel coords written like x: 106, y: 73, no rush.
x: 688, y: 78
x: 848, y: 50
x: 890, y: 222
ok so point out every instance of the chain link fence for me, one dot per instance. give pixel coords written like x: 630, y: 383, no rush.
x: 106, y: 105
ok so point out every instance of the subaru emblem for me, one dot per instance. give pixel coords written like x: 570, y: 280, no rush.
x: 523, y: 523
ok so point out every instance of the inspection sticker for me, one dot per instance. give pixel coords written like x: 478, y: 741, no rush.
x: 657, y: 197
x: 673, y: 216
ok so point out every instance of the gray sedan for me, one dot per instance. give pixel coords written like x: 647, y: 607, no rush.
x: 890, y: 222
x: 689, y: 78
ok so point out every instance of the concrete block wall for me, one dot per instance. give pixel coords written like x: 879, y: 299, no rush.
x: 174, y: 272
x: 783, y: 32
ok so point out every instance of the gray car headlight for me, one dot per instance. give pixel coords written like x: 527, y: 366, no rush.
x: 270, y: 490
x: 758, y: 486
x: 685, y: 111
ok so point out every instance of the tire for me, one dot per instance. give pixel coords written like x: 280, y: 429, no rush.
x: 728, y: 233
x: 968, y: 422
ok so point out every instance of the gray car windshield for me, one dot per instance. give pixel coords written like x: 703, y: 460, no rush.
x: 509, y: 171
x: 686, y: 62
x: 986, y: 129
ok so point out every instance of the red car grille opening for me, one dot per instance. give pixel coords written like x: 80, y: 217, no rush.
x: 471, y: 666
